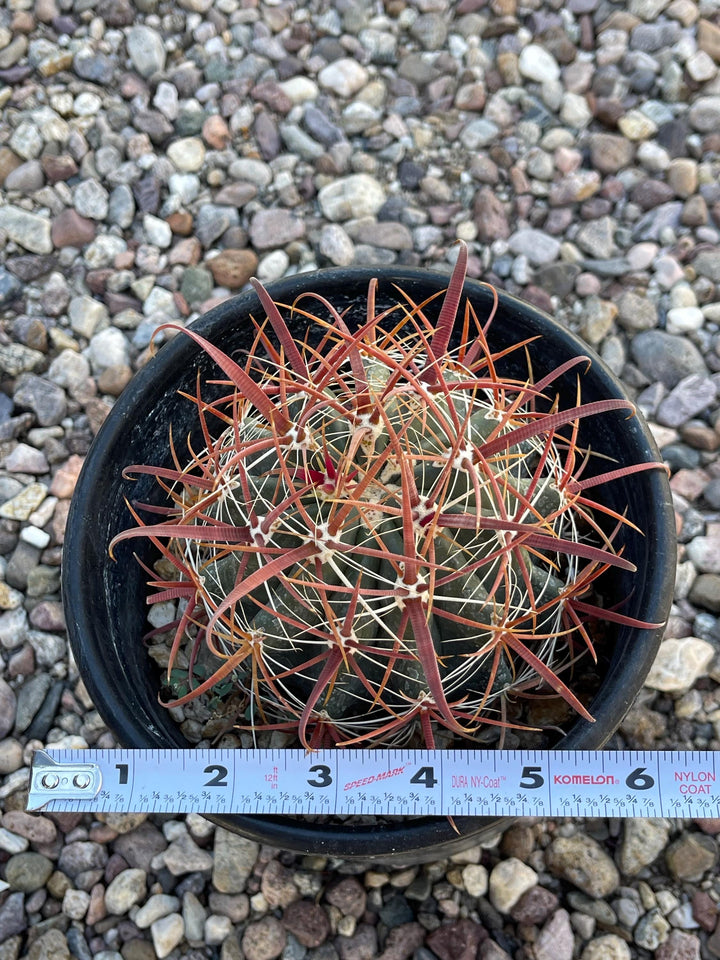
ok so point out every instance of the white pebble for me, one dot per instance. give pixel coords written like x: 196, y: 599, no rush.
x: 679, y: 663
x: 157, y: 231
x: 35, y: 537
x: 684, y: 319
x: 75, y: 904
x: 475, y: 879
x: 167, y: 933
x: 509, y: 880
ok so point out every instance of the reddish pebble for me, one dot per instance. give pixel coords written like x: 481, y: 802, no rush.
x: 216, y: 133
x: 69, y: 229
x: 65, y: 479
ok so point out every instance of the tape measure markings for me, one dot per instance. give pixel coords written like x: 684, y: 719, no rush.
x: 463, y: 782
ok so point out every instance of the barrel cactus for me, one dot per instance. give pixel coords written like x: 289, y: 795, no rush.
x: 381, y: 536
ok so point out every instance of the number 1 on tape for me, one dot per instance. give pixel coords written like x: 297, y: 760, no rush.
x: 537, y: 783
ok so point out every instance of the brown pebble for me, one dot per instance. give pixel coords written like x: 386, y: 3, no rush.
x: 125, y: 260
x: 534, y: 906
x: 9, y: 161
x: 679, y: 946
x: 97, y: 279
x: 236, y: 194
x: 96, y: 909
x: 233, y: 268
x: 96, y: 410
x: 709, y: 825
x: 349, y: 897
x: 64, y: 481
x: 37, y: 829
x: 21, y: 663
x: 114, y: 379
x: 518, y: 841
x: 471, y: 96
x: 69, y: 229
x: 22, y: 22
x: 48, y: 615
x: 694, y: 212
x: 264, y: 939
x: 46, y: 10
x: 691, y: 856
x: 277, y: 885
x: 490, y: 216
x: 708, y: 38
x: 308, y: 923
x: 700, y: 435
x: 216, y: 133
x: 704, y: 910
x: 457, y: 941
x: 181, y: 223
x: 538, y: 298
x: 272, y: 95
x: 36, y: 336
x: 689, y: 483
x: 186, y: 252
x: 402, y: 941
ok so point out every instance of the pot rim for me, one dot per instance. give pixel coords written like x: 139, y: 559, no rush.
x: 418, y: 838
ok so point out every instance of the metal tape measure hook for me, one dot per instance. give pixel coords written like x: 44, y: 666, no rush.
x: 51, y: 780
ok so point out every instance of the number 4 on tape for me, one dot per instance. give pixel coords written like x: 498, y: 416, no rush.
x: 390, y: 782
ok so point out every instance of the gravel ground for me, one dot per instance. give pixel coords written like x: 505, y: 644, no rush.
x: 155, y: 155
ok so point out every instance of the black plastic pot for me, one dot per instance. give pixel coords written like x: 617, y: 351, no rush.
x: 105, y: 601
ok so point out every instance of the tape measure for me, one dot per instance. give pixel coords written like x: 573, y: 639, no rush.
x: 515, y: 783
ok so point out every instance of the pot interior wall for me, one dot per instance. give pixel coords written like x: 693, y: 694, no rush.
x: 106, y: 602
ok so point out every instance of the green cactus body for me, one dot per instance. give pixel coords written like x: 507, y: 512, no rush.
x: 437, y: 442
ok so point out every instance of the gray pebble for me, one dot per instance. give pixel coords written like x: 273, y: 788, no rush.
x: 597, y: 238
x: 8, y: 703
x: 43, y: 719
x: 30, y: 698
x: 212, y: 222
x: 662, y: 356
x: 538, y: 247
x: 275, y: 228
x: 29, y: 230
x: 46, y: 400
x: 147, y: 50
x: 82, y: 856
x: 90, y: 199
x: 688, y: 398
x: 94, y: 66
x: 298, y: 141
x: 10, y: 287
x: 184, y: 856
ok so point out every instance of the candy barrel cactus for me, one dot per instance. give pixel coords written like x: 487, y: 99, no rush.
x: 381, y: 535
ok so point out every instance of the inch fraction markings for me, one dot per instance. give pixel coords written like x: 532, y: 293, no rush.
x: 384, y: 781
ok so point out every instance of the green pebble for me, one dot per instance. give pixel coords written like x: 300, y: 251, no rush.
x: 28, y: 872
